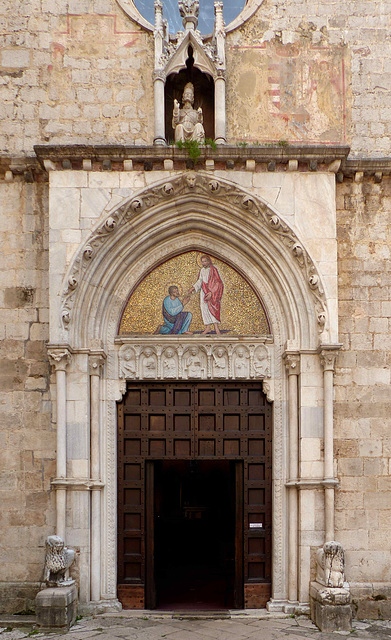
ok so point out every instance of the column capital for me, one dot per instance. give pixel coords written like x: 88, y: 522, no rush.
x: 292, y: 363
x: 95, y: 363
x: 328, y: 354
x: 159, y: 75
x: 59, y: 357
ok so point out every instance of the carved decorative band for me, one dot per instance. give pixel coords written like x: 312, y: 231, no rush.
x: 77, y: 484
x: 313, y: 484
x: 193, y: 361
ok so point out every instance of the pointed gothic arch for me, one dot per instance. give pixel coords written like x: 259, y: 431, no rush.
x: 192, y: 211
x: 195, y: 210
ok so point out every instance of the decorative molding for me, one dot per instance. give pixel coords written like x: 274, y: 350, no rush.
x: 59, y: 357
x: 77, y: 484
x: 205, y: 186
x: 328, y: 355
x: 165, y: 360
x: 292, y: 363
x: 110, y: 475
x: 313, y: 484
x: 95, y: 363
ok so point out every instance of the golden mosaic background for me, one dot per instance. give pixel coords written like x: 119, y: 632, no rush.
x: 242, y: 312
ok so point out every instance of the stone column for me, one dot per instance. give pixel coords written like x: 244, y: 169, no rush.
x: 59, y: 359
x: 219, y: 39
x: 328, y: 356
x: 220, y: 136
x: 292, y: 364
x: 158, y: 87
x: 95, y: 368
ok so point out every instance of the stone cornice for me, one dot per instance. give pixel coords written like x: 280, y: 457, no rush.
x: 148, y: 157
x: 324, y: 154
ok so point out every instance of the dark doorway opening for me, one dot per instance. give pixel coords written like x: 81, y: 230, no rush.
x: 195, y: 524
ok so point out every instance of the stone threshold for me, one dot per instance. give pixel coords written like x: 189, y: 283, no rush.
x: 237, y: 614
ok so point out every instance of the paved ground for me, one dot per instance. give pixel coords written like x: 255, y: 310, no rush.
x: 131, y: 626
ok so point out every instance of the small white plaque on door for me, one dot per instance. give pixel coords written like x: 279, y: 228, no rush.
x: 256, y: 525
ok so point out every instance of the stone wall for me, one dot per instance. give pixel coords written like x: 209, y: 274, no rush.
x: 27, y: 440
x: 81, y: 71
x: 360, y: 27
x: 362, y: 393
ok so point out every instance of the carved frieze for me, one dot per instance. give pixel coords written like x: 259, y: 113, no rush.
x: 195, y: 361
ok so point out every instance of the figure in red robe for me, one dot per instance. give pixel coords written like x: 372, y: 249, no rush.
x: 211, y: 288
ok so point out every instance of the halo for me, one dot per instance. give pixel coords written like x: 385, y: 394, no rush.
x: 202, y: 253
x: 173, y: 284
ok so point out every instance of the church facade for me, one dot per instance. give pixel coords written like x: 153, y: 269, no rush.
x: 195, y: 344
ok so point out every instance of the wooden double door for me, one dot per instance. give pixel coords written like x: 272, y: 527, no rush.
x: 194, y: 495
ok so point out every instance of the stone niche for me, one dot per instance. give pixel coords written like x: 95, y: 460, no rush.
x: 188, y: 58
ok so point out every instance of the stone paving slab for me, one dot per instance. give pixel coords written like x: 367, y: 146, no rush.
x: 147, y: 626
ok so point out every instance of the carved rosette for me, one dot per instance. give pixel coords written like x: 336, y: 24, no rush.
x: 204, y: 185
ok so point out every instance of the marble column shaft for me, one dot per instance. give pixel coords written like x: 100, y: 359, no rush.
x: 95, y: 366
x: 220, y: 134
x: 59, y: 359
x: 292, y: 363
x: 160, y: 134
x: 328, y: 361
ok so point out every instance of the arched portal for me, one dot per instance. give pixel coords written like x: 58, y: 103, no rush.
x: 193, y: 212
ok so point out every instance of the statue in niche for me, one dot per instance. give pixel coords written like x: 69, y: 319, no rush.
x: 261, y: 362
x: 194, y: 363
x: 127, y: 367
x: 149, y: 364
x: 220, y: 363
x: 187, y: 122
x: 241, y: 363
x: 169, y: 364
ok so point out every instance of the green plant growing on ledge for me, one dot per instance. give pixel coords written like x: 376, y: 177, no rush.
x: 192, y: 147
x: 211, y: 143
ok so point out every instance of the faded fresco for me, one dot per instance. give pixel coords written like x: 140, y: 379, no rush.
x: 194, y: 293
x: 297, y: 91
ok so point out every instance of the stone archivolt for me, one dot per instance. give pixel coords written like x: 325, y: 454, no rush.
x: 167, y: 196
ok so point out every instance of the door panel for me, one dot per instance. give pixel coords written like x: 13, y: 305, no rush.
x: 205, y: 421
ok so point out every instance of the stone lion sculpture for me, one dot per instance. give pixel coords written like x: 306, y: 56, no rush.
x: 58, y: 559
x: 330, y: 565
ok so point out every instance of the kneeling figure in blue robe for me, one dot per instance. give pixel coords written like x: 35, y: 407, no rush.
x: 176, y: 320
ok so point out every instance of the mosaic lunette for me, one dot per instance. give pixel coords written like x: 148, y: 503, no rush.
x: 242, y: 312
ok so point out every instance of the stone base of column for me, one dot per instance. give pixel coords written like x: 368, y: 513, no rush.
x: 330, y: 608
x: 56, y: 608
x: 103, y: 606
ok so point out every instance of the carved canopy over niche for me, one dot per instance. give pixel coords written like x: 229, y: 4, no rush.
x: 240, y: 310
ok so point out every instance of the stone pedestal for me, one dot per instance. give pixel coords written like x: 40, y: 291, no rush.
x: 330, y: 608
x: 56, y: 607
